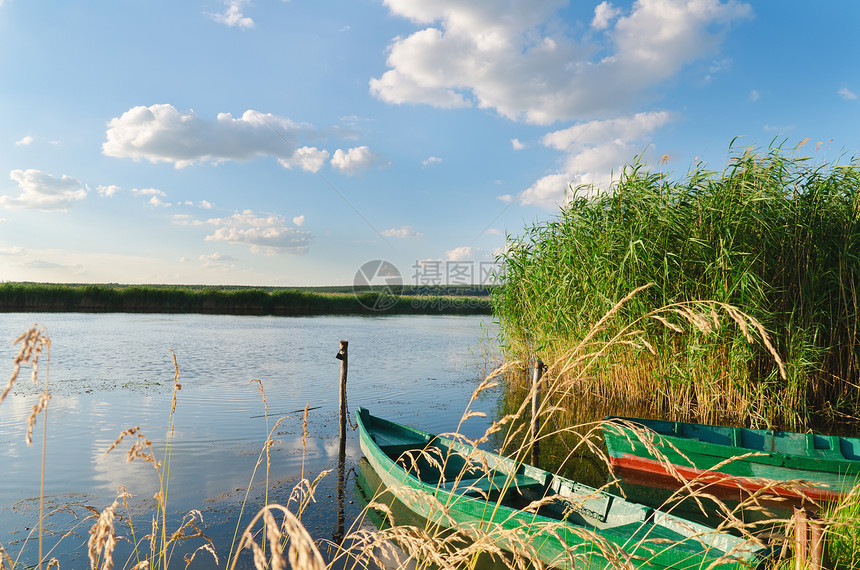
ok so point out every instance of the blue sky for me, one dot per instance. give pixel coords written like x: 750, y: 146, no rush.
x: 288, y: 142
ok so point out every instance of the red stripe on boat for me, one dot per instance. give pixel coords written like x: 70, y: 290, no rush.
x: 650, y: 472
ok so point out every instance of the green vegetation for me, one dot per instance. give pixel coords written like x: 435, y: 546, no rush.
x: 242, y: 300
x: 843, y: 534
x: 776, y: 235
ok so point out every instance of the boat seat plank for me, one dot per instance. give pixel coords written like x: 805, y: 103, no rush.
x: 384, y: 438
x: 496, y: 482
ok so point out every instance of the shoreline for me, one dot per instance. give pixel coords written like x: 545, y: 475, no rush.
x: 274, y: 301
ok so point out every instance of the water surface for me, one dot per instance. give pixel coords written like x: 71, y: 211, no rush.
x: 111, y: 372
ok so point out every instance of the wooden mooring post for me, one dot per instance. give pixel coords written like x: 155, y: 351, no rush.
x: 343, y: 357
x: 338, y: 535
x: 536, y: 401
x: 808, y: 540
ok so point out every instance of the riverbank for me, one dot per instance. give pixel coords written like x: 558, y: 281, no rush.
x: 370, y: 300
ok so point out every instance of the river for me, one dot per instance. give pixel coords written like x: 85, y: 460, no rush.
x: 111, y: 372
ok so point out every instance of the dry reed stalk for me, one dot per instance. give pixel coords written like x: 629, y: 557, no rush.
x: 140, y: 449
x: 103, y: 539
x: 32, y: 341
x: 266, y: 448
x: 301, y: 551
x: 31, y: 419
x: 4, y: 559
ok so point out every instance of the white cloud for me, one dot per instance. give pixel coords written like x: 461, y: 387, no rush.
x: 755, y: 95
x: 299, y: 220
x: 431, y: 160
x: 157, y: 202
x: 108, y: 191
x: 203, y: 204
x: 402, y: 232
x: 233, y: 16
x: 268, y: 233
x: 517, y: 145
x: 147, y: 192
x: 604, y: 13
x: 218, y: 261
x: 466, y: 253
x: 354, y: 160
x: 847, y: 94
x: 778, y: 128
x: 521, y: 62
x: 596, y: 153
x: 40, y: 191
x: 186, y: 220
x: 161, y: 133
x: 306, y: 158
x: 25, y: 141
x: 507, y: 198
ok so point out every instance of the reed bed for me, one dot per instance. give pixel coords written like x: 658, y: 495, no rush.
x: 776, y: 234
x: 34, y: 297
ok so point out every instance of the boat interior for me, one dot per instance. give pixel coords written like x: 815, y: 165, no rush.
x: 804, y: 444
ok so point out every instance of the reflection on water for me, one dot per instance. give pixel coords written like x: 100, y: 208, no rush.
x: 110, y: 372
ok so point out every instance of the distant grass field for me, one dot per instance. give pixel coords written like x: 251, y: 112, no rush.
x: 239, y: 300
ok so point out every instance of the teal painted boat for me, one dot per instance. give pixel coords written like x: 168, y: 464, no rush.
x: 563, y: 523
x: 733, y: 461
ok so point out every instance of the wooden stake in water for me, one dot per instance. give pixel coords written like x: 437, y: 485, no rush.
x: 800, y: 539
x: 342, y: 356
x: 536, y: 378
x: 808, y: 540
x: 341, y: 456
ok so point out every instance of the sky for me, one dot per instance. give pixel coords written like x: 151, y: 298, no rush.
x: 295, y: 143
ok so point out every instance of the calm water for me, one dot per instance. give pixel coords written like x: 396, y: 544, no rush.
x: 110, y: 372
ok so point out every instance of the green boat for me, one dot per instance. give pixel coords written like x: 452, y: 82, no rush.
x: 733, y: 462
x: 561, y: 523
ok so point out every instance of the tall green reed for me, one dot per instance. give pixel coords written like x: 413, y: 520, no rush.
x: 775, y: 234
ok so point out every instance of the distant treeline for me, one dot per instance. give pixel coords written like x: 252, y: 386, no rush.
x: 370, y: 300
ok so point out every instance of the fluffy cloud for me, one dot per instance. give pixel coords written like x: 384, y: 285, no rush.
x: 218, y: 261
x: 186, y: 220
x: 25, y: 141
x: 462, y: 253
x: 268, y: 233
x: 521, y: 62
x: 306, y: 158
x: 847, y: 94
x: 108, y: 191
x: 430, y: 160
x: 354, y: 160
x: 40, y: 191
x: 604, y: 13
x: 467, y: 253
x: 161, y: 133
x: 402, y: 232
x: 148, y: 192
x: 299, y: 220
x: 596, y: 151
x: 233, y: 16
